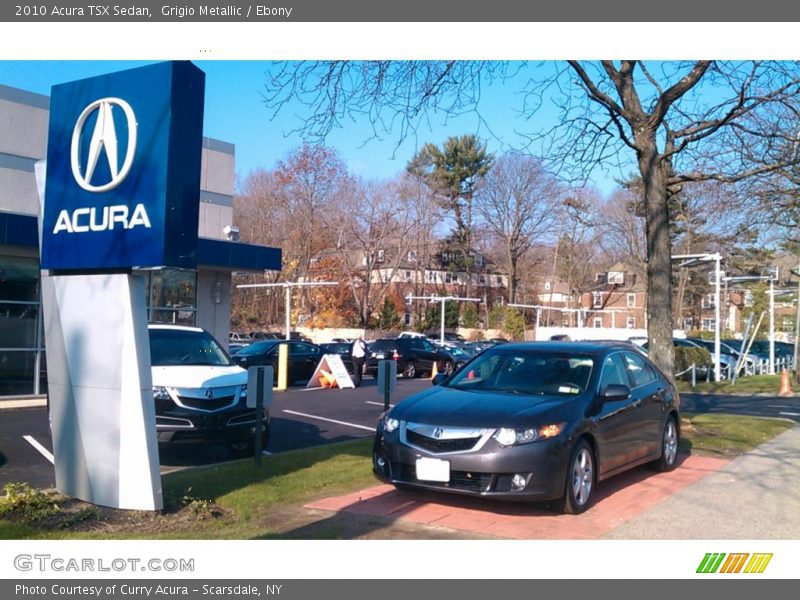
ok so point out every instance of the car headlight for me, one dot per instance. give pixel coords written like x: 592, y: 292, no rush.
x: 160, y: 393
x: 389, y: 424
x: 511, y: 437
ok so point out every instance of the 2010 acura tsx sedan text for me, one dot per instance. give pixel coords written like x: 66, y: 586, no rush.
x: 537, y: 421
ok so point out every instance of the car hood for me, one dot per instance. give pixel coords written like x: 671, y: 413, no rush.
x: 193, y: 376
x: 447, y: 406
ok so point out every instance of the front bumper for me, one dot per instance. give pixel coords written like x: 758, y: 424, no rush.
x: 486, y: 472
x: 185, y: 425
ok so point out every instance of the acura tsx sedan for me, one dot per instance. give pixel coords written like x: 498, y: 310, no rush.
x: 539, y: 421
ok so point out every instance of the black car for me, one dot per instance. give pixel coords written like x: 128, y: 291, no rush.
x: 303, y: 358
x: 414, y: 356
x: 343, y: 349
x: 536, y: 421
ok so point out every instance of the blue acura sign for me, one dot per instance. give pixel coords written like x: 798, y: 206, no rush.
x: 123, y: 170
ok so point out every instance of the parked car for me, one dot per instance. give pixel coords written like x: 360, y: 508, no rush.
x: 759, y: 349
x: 450, y: 337
x: 461, y: 355
x: 414, y: 356
x: 200, y: 395
x: 537, y: 421
x: 235, y: 347
x: 726, y: 362
x: 239, y: 338
x: 303, y: 358
x: 298, y: 337
x: 343, y: 349
x: 265, y: 335
x: 729, y: 355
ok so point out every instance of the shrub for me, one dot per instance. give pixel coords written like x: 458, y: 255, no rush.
x: 28, y: 504
x: 685, y: 357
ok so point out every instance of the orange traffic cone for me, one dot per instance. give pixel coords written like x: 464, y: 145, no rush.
x: 786, y: 387
x: 326, y: 380
x: 435, y: 369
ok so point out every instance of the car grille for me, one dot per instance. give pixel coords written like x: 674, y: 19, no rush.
x: 467, y: 481
x: 206, y: 403
x: 440, y: 446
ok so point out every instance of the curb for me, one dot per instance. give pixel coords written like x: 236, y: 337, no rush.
x: 23, y: 403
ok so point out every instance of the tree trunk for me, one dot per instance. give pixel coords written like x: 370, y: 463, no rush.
x: 659, y: 251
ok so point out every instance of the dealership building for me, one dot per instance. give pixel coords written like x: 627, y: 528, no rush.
x: 198, y: 296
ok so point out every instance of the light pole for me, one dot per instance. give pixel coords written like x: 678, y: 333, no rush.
x: 442, y: 300
x: 288, y: 285
x: 771, y: 279
x: 691, y: 260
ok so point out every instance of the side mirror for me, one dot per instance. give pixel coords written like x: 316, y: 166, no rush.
x: 616, y: 391
x: 440, y: 377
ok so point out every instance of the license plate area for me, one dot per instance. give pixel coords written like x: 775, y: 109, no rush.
x: 433, y: 469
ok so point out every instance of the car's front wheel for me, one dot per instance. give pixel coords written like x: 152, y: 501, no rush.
x: 669, y: 447
x: 581, y: 478
x: 246, y: 447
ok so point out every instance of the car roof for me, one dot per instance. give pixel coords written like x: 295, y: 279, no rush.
x: 585, y: 347
x: 174, y: 327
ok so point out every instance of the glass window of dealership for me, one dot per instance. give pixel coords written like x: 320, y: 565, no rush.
x: 179, y: 296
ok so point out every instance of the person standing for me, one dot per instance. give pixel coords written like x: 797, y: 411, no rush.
x: 358, y: 353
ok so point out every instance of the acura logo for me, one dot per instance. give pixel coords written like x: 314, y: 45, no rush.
x: 438, y: 432
x: 209, y: 393
x: 104, y: 140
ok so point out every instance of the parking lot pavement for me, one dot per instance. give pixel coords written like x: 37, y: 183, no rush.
x: 619, y: 499
x: 300, y: 418
x: 753, y: 497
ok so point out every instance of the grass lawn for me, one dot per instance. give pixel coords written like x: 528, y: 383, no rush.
x: 236, y: 500
x: 727, y: 435
x: 756, y: 384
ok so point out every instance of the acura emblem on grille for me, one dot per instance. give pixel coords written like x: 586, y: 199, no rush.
x: 437, y: 433
x: 209, y: 393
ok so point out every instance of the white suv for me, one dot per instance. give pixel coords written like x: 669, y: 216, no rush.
x: 200, y: 394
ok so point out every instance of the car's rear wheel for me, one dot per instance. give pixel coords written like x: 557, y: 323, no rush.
x: 410, y: 370
x: 669, y: 447
x: 581, y: 478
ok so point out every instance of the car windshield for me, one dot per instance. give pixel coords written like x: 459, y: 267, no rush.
x: 336, y: 348
x: 526, y: 372
x: 257, y: 348
x: 171, y: 347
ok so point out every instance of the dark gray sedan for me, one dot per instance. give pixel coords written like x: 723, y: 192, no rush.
x: 537, y: 421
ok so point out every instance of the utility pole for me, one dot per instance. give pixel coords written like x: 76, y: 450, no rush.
x: 441, y: 300
x: 288, y: 285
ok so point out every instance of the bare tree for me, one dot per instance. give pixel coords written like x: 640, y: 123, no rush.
x: 681, y: 122
x: 519, y: 203
x: 374, y: 235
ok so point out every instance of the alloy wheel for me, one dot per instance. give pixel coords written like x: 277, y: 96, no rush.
x: 582, y: 476
x: 670, y: 442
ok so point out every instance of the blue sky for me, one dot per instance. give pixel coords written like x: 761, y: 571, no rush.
x: 235, y: 113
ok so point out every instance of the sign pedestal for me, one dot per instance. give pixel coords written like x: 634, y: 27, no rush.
x: 102, y: 413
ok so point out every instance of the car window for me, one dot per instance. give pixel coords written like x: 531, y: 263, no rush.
x: 613, y: 373
x: 428, y: 346
x: 257, y: 348
x: 638, y: 369
x: 172, y: 347
x: 534, y: 373
x: 301, y: 348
